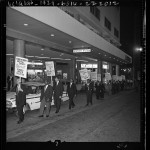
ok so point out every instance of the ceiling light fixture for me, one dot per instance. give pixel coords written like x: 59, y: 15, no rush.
x: 25, y: 24
x: 42, y: 49
x: 70, y: 42
x: 52, y: 35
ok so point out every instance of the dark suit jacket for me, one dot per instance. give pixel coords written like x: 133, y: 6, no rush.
x: 47, y: 94
x: 72, y: 91
x: 58, y: 89
x: 89, y: 89
x: 97, y: 87
x: 21, y: 96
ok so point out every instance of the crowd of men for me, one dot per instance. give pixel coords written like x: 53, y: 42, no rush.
x: 55, y: 89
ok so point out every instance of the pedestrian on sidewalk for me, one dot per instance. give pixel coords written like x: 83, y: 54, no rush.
x: 58, y: 91
x: 20, y: 99
x: 97, y: 86
x: 89, y: 91
x: 46, y: 98
x: 9, y: 82
x: 72, y: 92
x: 102, y: 90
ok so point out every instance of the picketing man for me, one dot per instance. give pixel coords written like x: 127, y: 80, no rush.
x: 72, y: 92
x: 20, y: 99
x: 89, y: 91
x: 46, y: 98
x: 97, y: 86
x: 58, y: 91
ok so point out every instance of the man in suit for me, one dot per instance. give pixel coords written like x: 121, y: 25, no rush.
x: 72, y: 91
x: 46, y: 98
x: 58, y: 90
x: 89, y: 91
x: 97, y: 86
x: 20, y: 99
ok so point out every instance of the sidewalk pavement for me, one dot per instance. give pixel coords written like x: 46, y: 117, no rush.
x: 32, y: 121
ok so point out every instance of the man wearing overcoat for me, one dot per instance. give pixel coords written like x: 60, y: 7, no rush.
x: 46, y: 98
x: 58, y: 91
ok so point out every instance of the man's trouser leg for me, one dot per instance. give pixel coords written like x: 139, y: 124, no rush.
x: 48, y: 107
x: 20, y: 113
x: 42, y: 106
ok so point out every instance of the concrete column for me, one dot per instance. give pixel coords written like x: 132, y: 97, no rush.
x: 19, y: 50
x: 100, y: 69
x: 72, y: 67
x: 110, y: 68
x: 117, y: 70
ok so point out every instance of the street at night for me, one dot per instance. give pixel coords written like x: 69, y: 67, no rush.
x: 114, y: 119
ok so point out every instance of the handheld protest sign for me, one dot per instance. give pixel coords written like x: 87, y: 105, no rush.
x: 21, y: 67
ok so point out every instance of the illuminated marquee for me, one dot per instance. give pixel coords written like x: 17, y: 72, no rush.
x: 81, y: 50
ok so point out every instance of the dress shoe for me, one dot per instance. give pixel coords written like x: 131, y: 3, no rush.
x: 41, y: 116
x: 47, y: 115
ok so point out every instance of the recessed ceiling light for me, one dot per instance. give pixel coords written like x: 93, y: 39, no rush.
x: 52, y: 34
x: 99, y: 53
x: 25, y: 24
x: 42, y: 54
x: 69, y: 41
x: 42, y: 49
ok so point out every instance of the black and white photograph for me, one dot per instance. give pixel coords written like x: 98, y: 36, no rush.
x: 94, y: 92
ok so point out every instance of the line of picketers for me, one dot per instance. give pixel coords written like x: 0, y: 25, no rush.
x: 55, y: 89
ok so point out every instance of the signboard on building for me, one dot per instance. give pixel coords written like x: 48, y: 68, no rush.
x: 99, y: 77
x: 107, y: 76
x: 21, y: 67
x: 81, y: 50
x: 50, y: 68
x: 114, y: 77
x: 123, y: 77
x: 120, y: 78
x: 64, y: 75
x: 85, y: 74
x: 93, y: 76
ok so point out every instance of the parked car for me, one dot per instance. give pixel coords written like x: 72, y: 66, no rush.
x: 32, y: 97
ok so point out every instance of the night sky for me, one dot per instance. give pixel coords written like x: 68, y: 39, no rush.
x: 131, y: 24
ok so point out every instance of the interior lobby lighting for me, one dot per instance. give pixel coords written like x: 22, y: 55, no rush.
x: 70, y: 42
x: 139, y: 49
x: 42, y: 57
x: 67, y: 59
x: 42, y: 49
x: 82, y: 60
